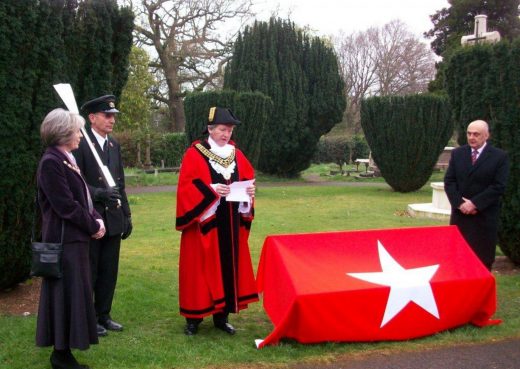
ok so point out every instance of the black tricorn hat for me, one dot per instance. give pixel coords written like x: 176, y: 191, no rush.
x: 105, y: 104
x: 222, y: 116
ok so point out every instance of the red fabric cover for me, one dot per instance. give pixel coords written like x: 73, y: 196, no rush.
x: 201, y: 291
x: 310, y: 298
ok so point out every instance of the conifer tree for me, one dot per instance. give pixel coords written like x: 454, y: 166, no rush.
x: 41, y: 44
x: 103, y: 43
x: 31, y: 50
x: 301, y: 76
x: 406, y: 135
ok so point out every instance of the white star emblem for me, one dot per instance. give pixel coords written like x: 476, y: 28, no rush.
x: 406, y: 285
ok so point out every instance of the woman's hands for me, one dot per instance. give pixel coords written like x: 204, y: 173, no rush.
x: 101, y: 232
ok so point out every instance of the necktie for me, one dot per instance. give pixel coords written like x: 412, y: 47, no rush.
x: 474, y: 154
x: 105, y: 151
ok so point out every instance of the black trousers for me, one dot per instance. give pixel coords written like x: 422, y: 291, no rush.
x: 104, y: 264
x: 218, y: 318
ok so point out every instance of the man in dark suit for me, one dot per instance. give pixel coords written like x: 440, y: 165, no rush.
x: 110, y: 202
x: 475, y: 181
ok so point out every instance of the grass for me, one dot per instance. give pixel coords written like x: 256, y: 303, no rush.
x: 147, y: 302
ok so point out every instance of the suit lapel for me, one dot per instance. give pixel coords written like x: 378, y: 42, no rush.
x: 95, y: 142
x: 111, y: 155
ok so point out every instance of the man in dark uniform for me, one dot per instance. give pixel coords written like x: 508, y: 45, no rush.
x: 475, y: 181
x: 110, y: 202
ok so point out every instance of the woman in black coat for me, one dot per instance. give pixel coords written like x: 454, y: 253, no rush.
x: 66, y: 315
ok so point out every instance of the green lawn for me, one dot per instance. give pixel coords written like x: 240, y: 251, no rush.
x: 146, y: 297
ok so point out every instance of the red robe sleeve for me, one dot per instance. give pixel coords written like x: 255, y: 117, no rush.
x: 194, y: 193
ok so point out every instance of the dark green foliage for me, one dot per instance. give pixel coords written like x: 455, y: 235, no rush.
x: 17, y: 29
x: 30, y: 52
x: 333, y: 150
x: 468, y: 85
x: 170, y: 148
x: 483, y: 82
x: 406, y: 135
x: 358, y: 148
x: 167, y: 148
x: 301, y: 76
x: 38, y: 48
x: 102, y: 46
x: 252, y: 109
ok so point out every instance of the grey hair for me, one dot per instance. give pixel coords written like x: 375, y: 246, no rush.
x: 59, y: 126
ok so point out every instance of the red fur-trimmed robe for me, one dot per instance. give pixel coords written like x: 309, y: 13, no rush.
x: 215, y: 270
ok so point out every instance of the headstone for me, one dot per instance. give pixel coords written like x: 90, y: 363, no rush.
x: 439, y: 208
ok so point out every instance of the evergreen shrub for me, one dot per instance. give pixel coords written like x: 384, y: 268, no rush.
x: 300, y: 74
x: 43, y: 43
x: 406, y: 135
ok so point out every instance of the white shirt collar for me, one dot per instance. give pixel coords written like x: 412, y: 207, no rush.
x: 100, y: 139
x: 479, y: 150
x: 222, y: 151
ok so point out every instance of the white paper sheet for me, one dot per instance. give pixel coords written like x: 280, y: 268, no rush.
x: 238, y: 191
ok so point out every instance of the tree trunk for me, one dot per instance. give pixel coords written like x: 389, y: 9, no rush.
x: 177, y: 117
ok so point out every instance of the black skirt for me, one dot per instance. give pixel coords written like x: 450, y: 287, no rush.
x: 66, y: 314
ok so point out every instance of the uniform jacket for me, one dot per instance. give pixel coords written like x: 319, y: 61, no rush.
x: 112, y: 213
x: 215, y: 270
x: 63, y: 196
x: 483, y: 183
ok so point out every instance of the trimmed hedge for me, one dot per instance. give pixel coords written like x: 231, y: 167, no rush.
x: 300, y: 74
x: 169, y: 147
x: 406, y: 135
x: 43, y: 43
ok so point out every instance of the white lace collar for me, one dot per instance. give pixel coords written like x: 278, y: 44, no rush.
x: 222, y: 151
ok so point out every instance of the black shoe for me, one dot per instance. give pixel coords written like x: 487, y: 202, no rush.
x: 111, y: 325
x: 101, y: 331
x: 226, y: 327
x: 191, y: 329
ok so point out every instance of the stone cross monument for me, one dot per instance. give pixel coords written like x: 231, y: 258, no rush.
x: 481, y: 34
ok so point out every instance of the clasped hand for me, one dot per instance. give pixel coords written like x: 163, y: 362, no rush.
x: 467, y: 207
x: 101, y: 232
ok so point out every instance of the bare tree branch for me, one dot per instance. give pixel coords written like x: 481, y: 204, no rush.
x: 190, y: 50
x: 382, y: 61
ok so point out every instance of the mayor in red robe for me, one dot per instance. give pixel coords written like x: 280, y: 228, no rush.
x: 215, y: 271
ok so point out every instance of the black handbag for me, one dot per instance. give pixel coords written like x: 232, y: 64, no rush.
x: 46, y: 256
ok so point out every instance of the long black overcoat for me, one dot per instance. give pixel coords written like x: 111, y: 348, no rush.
x: 66, y: 315
x: 483, y: 183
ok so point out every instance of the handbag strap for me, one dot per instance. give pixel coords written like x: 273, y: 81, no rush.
x: 36, y: 208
